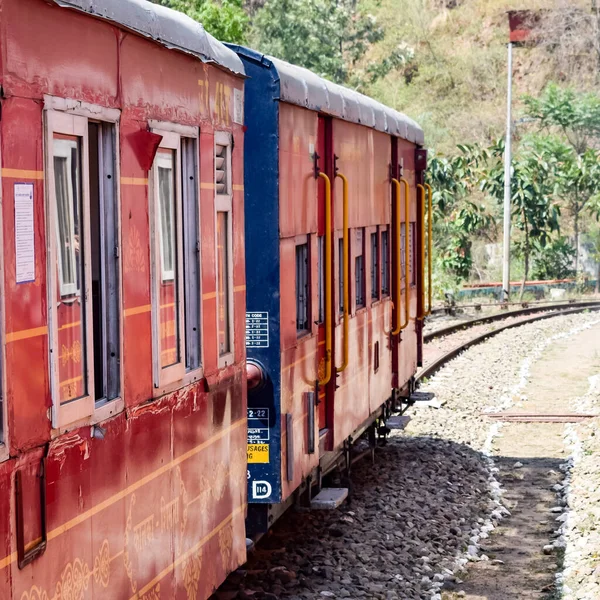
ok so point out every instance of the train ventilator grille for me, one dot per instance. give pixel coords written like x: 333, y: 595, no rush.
x: 221, y: 169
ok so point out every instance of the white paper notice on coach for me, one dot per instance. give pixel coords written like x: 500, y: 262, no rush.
x: 24, y: 235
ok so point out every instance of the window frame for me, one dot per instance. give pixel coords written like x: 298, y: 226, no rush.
x: 375, y: 263
x: 62, y: 115
x: 4, y: 441
x: 359, y: 252
x: 77, y: 126
x: 385, y: 292
x: 224, y: 203
x: 303, y: 240
x: 172, y: 377
x: 67, y: 289
x: 166, y: 274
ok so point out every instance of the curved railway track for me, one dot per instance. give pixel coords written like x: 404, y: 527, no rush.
x: 435, y: 360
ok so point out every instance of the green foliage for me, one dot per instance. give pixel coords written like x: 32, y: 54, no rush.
x: 457, y: 218
x: 225, y: 19
x: 555, y: 260
x: 329, y: 37
x: 576, y: 115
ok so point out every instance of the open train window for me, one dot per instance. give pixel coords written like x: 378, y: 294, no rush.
x: 224, y: 253
x: 175, y: 235
x: 359, y: 268
x: 84, y: 282
x: 321, y: 274
x: 385, y: 262
x: 375, y: 266
x: 302, y: 290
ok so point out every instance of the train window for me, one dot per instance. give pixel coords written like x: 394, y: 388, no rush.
x: 224, y: 252
x: 403, y: 253
x: 375, y: 266
x: 104, y: 259
x: 321, y: 281
x: 385, y: 262
x: 359, y: 269
x: 191, y: 252
x: 302, y: 290
x: 175, y: 238
x: 412, y: 255
x: 67, y: 181
x: 341, y: 273
x: 84, y: 283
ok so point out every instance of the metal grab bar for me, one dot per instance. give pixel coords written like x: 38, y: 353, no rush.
x: 406, y: 253
x: 346, y: 270
x: 429, y: 246
x: 328, y: 344
x: 421, y: 190
x: 396, y: 330
x: 426, y: 198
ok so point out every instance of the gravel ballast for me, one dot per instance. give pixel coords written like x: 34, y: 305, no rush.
x: 420, y: 513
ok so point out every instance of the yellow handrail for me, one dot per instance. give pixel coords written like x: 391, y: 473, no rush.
x: 398, y: 328
x: 421, y: 189
x: 327, y: 375
x: 406, y: 253
x: 429, y: 242
x: 345, y: 266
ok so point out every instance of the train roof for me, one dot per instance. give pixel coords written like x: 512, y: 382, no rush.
x: 304, y: 88
x: 165, y: 26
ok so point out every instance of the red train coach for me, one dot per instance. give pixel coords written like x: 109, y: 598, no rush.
x: 334, y: 255
x: 123, y: 452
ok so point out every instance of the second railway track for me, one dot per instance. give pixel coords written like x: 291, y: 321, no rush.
x: 458, y: 337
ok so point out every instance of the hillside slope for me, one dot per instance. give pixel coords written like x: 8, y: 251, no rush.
x: 456, y: 86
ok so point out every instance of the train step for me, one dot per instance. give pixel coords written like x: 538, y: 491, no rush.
x: 422, y: 396
x: 329, y: 498
x: 397, y: 422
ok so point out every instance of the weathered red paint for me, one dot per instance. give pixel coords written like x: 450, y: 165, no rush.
x: 364, y: 157
x: 156, y: 508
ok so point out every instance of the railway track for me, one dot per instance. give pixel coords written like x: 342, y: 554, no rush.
x: 456, y: 338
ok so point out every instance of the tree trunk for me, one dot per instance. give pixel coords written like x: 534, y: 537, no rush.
x: 526, y: 269
x: 576, y: 232
x: 597, y: 288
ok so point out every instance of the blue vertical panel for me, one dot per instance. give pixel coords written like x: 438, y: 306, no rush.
x: 261, y: 198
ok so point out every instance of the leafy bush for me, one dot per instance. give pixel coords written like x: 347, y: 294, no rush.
x: 555, y: 260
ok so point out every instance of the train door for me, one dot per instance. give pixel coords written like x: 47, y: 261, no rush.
x: 396, y: 290
x: 326, y: 391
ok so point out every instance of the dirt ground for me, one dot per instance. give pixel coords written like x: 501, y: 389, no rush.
x: 518, y: 568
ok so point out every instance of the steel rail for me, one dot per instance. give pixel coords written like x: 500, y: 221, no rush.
x: 444, y: 331
x: 442, y: 360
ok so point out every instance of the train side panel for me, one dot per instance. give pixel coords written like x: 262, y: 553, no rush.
x: 153, y: 503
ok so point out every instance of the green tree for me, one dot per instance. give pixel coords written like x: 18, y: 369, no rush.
x: 224, y: 19
x: 555, y: 261
x: 575, y: 115
x: 329, y: 37
x: 458, y: 219
x: 534, y: 212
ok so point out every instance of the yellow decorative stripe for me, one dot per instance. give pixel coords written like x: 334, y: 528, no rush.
x: 137, y: 310
x: 239, y: 288
x: 207, y: 186
x: 168, y: 305
x: 26, y: 333
x: 209, y: 296
x: 188, y: 553
x: 134, y: 181
x: 69, y: 382
x: 237, y: 187
x: 300, y: 360
x: 22, y: 174
x: 69, y: 325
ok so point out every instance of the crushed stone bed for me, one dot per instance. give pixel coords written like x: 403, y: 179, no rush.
x: 422, y: 511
